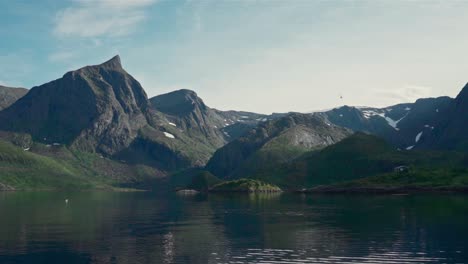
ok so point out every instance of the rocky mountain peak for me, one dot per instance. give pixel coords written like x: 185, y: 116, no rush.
x: 98, y: 108
x: 180, y: 102
x: 113, y: 63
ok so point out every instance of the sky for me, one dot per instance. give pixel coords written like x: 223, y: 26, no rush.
x: 261, y: 56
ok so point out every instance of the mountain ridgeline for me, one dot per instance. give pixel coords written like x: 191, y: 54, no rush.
x: 273, y: 142
x: 102, y: 109
x: 10, y: 95
x: 186, y: 111
x: 96, y: 127
x: 399, y: 124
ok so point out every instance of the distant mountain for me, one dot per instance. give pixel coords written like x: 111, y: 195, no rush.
x: 10, y: 95
x: 449, y: 131
x: 400, y: 124
x: 272, y: 142
x: 237, y: 123
x: 186, y: 111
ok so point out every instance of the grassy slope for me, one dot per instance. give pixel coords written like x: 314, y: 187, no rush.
x: 25, y: 170
x: 361, y: 156
x: 59, y: 168
x: 415, y: 178
x: 273, y: 152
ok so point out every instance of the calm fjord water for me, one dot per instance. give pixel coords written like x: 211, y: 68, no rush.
x: 106, y: 227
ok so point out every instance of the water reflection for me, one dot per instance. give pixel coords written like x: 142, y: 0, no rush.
x: 105, y: 227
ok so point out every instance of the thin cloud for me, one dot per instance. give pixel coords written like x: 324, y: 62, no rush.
x: 14, y: 67
x: 407, y: 93
x: 61, y: 56
x: 98, y: 18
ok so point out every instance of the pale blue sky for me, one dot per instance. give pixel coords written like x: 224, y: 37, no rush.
x: 263, y: 56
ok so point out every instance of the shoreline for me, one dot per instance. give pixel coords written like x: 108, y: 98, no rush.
x: 76, y: 190
x: 382, y: 190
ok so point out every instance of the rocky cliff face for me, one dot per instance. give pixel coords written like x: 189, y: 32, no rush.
x: 10, y: 95
x: 449, y: 131
x: 273, y: 142
x: 186, y: 111
x: 96, y: 108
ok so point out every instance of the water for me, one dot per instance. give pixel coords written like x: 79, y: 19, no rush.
x: 106, y: 227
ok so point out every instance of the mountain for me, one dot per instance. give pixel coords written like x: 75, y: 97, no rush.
x: 449, y: 130
x: 10, y: 95
x: 363, y: 156
x: 237, y: 123
x: 103, y: 109
x: 272, y: 142
x: 400, y: 124
x: 186, y: 111
x: 96, y: 108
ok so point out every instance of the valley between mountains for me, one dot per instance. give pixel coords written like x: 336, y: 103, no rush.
x: 96, y: 128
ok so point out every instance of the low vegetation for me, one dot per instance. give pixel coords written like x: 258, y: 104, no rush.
x: 42, y: 167
x: 245, y: 185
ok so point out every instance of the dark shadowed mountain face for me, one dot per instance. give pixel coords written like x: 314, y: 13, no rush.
x: 96, y: 108
x: 400, y: 124
x: 10, y: 95
x: 272, y: 142
x: 450, y: 129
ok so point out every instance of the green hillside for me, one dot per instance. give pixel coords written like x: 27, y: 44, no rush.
x: 245, y: 185
x: 360, y: 156
x: 273, y: 142
x: 57, y: 168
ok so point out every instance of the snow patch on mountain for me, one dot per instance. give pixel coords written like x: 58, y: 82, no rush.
x: 390, y: 121
x: 393, y: 123
x: 169, y: 135
x: 418, y: 136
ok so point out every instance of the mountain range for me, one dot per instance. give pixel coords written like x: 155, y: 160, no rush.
x: 98, y: 122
